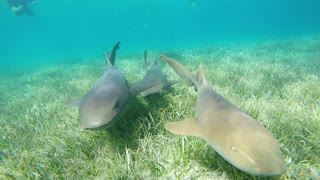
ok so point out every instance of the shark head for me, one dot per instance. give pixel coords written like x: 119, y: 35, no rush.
x: 109, y: 97
x: 105, y: 101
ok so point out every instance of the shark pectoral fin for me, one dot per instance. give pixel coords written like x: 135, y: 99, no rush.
x: 189, y: 127
x: 74, y: 102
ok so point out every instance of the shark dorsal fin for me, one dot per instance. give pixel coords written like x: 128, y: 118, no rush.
x: 112, y: 55
x: 201, y: 77
x: 107, y: 58
x: 155, y: 59
x: 149, y: 63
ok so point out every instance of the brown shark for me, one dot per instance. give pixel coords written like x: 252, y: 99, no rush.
x: 107, y: 99
x: 155, y: 79
x: 237, y: 137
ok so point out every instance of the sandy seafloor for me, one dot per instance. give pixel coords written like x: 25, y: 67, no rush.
x: 276, y: 82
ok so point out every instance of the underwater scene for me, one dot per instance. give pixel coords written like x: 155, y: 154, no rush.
x: 169, y: 89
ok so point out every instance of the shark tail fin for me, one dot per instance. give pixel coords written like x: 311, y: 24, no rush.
x: 188, y: 127
x: 186, y: 75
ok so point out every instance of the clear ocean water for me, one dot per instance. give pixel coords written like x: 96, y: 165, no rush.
x: 261, y: 55
x: 63, y: 31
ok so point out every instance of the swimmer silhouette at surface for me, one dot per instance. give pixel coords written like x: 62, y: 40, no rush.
x: 21, y: 6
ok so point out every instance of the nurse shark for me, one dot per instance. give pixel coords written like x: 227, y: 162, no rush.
x: 155, y: 78
x: 110, y: 96
x: 237, y: 137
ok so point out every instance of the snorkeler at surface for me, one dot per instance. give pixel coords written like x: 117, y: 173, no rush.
x: 21, y: 6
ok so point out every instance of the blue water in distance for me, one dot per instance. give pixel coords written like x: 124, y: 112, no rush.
x: 65, y: 30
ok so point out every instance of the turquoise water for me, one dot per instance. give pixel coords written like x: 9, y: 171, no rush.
x: 62, y: 31
x: 261, y: 55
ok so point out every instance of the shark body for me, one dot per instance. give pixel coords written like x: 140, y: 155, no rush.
x: 110, y: 96
x: 155, y: 78
x: 237, y: 137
